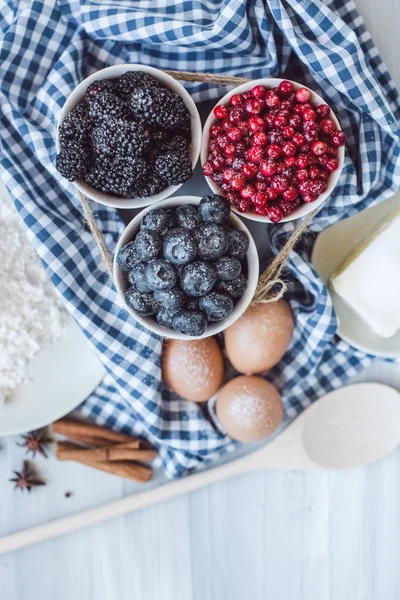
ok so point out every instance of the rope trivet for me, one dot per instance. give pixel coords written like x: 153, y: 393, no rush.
x: 270, y: 279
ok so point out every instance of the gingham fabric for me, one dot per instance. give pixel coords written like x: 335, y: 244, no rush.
x: 47, y: 47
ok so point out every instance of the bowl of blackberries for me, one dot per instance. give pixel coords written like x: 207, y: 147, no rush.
x: 187, y: 268
x: 128, y: 136
x: 274, y: 149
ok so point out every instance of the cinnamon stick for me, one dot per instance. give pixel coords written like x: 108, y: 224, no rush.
x: 69, y: 451
x: 94, y: 442
x: 127, y: 470
x: 71, y: 429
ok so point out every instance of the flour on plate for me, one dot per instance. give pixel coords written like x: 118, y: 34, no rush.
x: 31, y: 315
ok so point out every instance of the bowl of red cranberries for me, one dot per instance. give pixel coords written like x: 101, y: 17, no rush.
x: 187, y: 268
x: 128, y: 136
x: 274, y: 149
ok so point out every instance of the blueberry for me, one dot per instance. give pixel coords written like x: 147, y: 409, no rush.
x: 148, y: 244
x: 228, y: 267
x: 143, y: 304
x: 192, y: 304
x: 187, y: 216
x: 198, y: 279
x: 157, y: 220
x: 217, y: 306
x: 214, y: 209
x: 212, y: 241
x: 137, y: 278
x: 235, y: 288
x: 238, y: 243
x: 190, y: 322
x: 172, y: 299
x: 127, y: 257
x: 165, y: 316
x: 179, y: 247
x: 172, y: 221
x: 160, y: 275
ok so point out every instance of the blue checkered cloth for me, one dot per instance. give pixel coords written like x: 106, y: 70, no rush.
x: 47, y: 47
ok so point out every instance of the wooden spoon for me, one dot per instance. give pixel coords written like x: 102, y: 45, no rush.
x: 351, y: 427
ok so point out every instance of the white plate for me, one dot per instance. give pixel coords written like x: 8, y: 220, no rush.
x: 60, y: 378
x: 330, y: 250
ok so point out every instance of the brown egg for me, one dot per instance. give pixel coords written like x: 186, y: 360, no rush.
x: 249, y: 408
x: 258, y: 340
x: 194, y: 369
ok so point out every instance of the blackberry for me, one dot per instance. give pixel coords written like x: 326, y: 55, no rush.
x: 121, y: 138
x: 177, y: 144
x: 107, y: 105
x: 159, y: 106
x: 75, y: 128
x: 121, y: 176
x: 131, y: 80
x: 97, y: 88
x: 173, y: 168
x: 73, y: 164
x: 152, y: 185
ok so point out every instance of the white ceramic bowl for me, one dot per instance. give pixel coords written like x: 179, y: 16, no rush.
x: 166, y: 81
x: 213, y: 328
x: 316, y: 100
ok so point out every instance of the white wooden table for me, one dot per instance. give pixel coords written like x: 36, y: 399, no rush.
x: 273, y: 535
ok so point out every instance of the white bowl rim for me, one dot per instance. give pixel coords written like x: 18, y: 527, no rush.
x: 167, y: 81
x: 212, y: 329
x: 305, y: 209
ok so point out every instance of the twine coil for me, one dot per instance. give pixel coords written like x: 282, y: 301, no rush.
x: 271, y: 287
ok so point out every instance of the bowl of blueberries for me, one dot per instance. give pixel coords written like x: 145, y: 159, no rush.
x: 187, y: 268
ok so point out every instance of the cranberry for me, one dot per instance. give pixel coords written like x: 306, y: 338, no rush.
x: 269, y: 119
x: 237, y: 164
x: 242, y: 125
x: 280, y: 167
x: 332, y: 164
x: 234, y: 134
x: 289, y: 149
x: 302, y: 161
x: 275, y: 137
x: 332, y: 151
x: 255, y: 153
x: 261, y: 186
x: 273, y: 151
x: 216, y: 130
x: 260, y: 138
x: 218, y: 163
x: 267, y: 168
x: 288, y: 132
x: 290, y: 193
x: 327, y: 126
x: 290, y: 161
x: 311, y: 134
x: 229, y: 161
x: 289, y: 172
x: 271, y: 194
x: 248, y: 140
x: 272, y: 99
x: 221, y: 141
x: 309, y: 198
x: 253, y: 107
x: 248, y: 191
x: 237, y: 182
x: 256, y: 124
x: 322, y: 160
x: 249, y: 170
x: 226, y: 124
x: 246, y: 95
x: 338, y: 138
x: 285, y: 87
x: 289, y: 208
x: 303, y: 95
x: 302, y: 175
x: 244, y: 205
x: 306, y: 106
x: 274, y: 213
x: 298, y: 108
x: 309, y: 115
x: 227, y: 175
x: 236, y: 100
x: 224, y: 187
x: 208, y: 169
x: 240, y: 149
x: 261, y: 177
x: 279, y: 183
x: 212, y: 145
x: 314, y: 172
x: 319, y: 148
x: 316, y: 187
x: 280, y: 121
x: 295, y: 121
x: 220, y: 111
x: 229, y: 150
x: 236, y: 115
x: 324, y: 174
x: 323, y: 111
x: 259, y: 199
x: 305, y: 148
x: 258, y: 91
x: 217, y: 177
x: 298, y: 139
x: 260, y: 210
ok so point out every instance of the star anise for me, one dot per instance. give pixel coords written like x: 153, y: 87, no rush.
x: 27, y: 478
x: 36, y: 441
